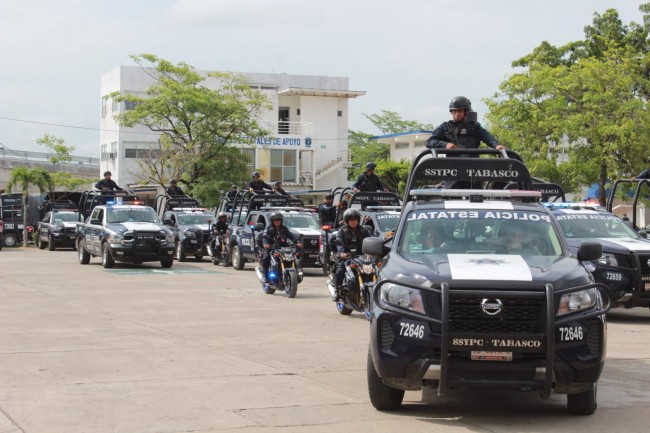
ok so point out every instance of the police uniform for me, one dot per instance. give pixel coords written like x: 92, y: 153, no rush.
x: 107, y: 185
x: 276, y: 237
x: 259, y: 185
x: 366, y: 182
x: 175, y: 191
x: 348, y: 240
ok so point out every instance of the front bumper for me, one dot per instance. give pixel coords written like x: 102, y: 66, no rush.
x: 410, y: 350
x: 142, y: 253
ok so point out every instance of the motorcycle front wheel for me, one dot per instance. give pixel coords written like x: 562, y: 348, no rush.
x: 291, y: 283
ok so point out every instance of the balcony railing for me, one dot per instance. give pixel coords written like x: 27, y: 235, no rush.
x: 290, y: 128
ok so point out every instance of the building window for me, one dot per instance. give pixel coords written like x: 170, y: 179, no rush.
x: 420, y: 143
x: 140, y: 150
x: 130, y: 105
x: 104, y: 103
x: 250, y: 159
x: 401, y: 145
x: 283, y: 165
x: 339, y: 113
x: 115, y: 106
x: 104, y: 152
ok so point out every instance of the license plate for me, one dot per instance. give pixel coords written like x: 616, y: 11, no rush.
x: 479, y: 355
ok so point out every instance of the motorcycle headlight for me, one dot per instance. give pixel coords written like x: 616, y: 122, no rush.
x: 288, y: 257
x: 366, y: 269
x: 190, y: 234
x: 607, y: 259
x: 402, y: 297
x: 115, y: 238
x: 578, y: 301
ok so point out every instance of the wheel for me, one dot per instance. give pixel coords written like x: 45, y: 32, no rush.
x: 84, y: 256
x: 10, y: 240
x: 583, y: 403
x: 39, y: 243
x: 343, y: 310
x: 50, y: 243
x: 107, y: 259
x: 267, y: 289
x: 215, y: 261
x: 291, y: 283
x: 237, y: 261
x: 225, y: 260
x: 382, y: 397
x: 167, y: 263
x: 180, y: 254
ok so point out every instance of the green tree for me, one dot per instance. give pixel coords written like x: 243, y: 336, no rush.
x: 394, y: 174
x: 24, y: 177
x: 588, y: 94
x: 196, y: 123
x: 60, y: 154
x: 390, y: 122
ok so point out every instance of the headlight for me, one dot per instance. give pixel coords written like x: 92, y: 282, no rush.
x: 578, y: 301
x: 169, y: 237
x: 190, y: 234
x: 115, y: 238
x: 367, y: 269
x: 607, y: 259
x: 403, y: 297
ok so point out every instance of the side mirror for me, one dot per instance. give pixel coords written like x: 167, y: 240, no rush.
x: 95, y: 222
x: 590, y: 250
x: 643, y: 233
x: 168, y: 222
x: 375, y: 247
x: 259, y: 227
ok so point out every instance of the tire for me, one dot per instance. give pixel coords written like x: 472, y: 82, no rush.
x: 50, y: 243
x: 291, y: 283
x: 583, y: 403
x: 237, y: 261
x: 267, y: 289
x: 167, y: 263
x: 215, y: 261
x: 107, y: 259
x: 39, y: 242
x: 180, y: 254
x: 10, y: 240
x: 382, y: 397
x: 343, y: 310
x: 225, y: 260
x: 84, y: 256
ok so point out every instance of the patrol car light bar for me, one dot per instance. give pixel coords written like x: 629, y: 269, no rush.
x: 486, y: 193
x: 572, y: 205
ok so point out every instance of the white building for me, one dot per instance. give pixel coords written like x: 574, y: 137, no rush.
x: 405, y: 145
x: 308, y: 126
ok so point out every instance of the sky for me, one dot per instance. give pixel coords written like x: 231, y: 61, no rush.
x: 409, y: 56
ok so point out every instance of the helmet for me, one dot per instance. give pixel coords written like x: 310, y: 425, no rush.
x: 460, y: 103
x: 277, y: 216
x: 351, y: 213
x: 222, y: 215
x: 233, y: 186
x: 278, y: 183
x: 173, y: 182
x: 107, y: 172
x: 256, y: 173
x: 371, y: 166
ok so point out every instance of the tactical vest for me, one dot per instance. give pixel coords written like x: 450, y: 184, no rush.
x: 369, y: 183
x: 464, y: 135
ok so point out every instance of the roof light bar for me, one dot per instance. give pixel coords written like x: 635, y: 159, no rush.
x: 487, y: 193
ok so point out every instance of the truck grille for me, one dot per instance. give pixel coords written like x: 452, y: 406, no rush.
x: 643, y: 261
x: 518, y: 316
x: 146, y: 242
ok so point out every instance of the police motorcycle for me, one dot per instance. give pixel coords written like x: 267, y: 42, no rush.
x: 283, y: 273
x: 218, y: 238
x: 358, y: 283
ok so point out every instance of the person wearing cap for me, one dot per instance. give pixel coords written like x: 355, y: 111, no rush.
x: 461, y: 132
x: 277, y: 187
x: 257, y: 185
x: 107, y: 184
x: 368, y: 180
x: 327, y: 211
x: 174, y: 190
x: 230, y: 195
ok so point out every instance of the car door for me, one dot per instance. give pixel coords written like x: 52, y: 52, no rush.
x: 44, y: 229
x: 94, y: 231
x: 246, y: 237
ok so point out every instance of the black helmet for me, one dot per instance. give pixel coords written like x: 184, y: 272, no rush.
x: 173, y: 182
x: 351, y: 213
x: 371, y: 166
x: 278, y: 183
x: 460, y: 103
x: 222, y: 215
x: 256, y: 173
x: 277, y: 216
x: 107, y: 172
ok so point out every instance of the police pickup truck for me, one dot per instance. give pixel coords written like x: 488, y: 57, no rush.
x: 191, y: 223
x: 242, y: 235
x: 58, y: 228
x: 478, y: 289
x: 130, y: 233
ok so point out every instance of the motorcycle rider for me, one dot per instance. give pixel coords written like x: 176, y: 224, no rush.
x: 218, y: 229
x: 350, y: 237
x: 276, y: 235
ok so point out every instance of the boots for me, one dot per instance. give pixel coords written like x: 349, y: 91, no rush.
x: 265, y: 271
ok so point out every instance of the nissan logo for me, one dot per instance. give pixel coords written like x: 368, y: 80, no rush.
x: 491, y: 307
x: 648, y: 262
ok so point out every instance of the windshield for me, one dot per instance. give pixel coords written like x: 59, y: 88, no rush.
x: 131, y: 214
x: 479, y: 232
x: 195, y: 218
x: 300, y: 221
x: 65, y: 217
x: 387, y: 222
x: 594, y: 225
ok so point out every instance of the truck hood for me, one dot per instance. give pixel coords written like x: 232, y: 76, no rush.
x: 307, y: 231
x: 485, y: 270
x: 138, y: 226
x: 616, y: 245
x: 195, y: 227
